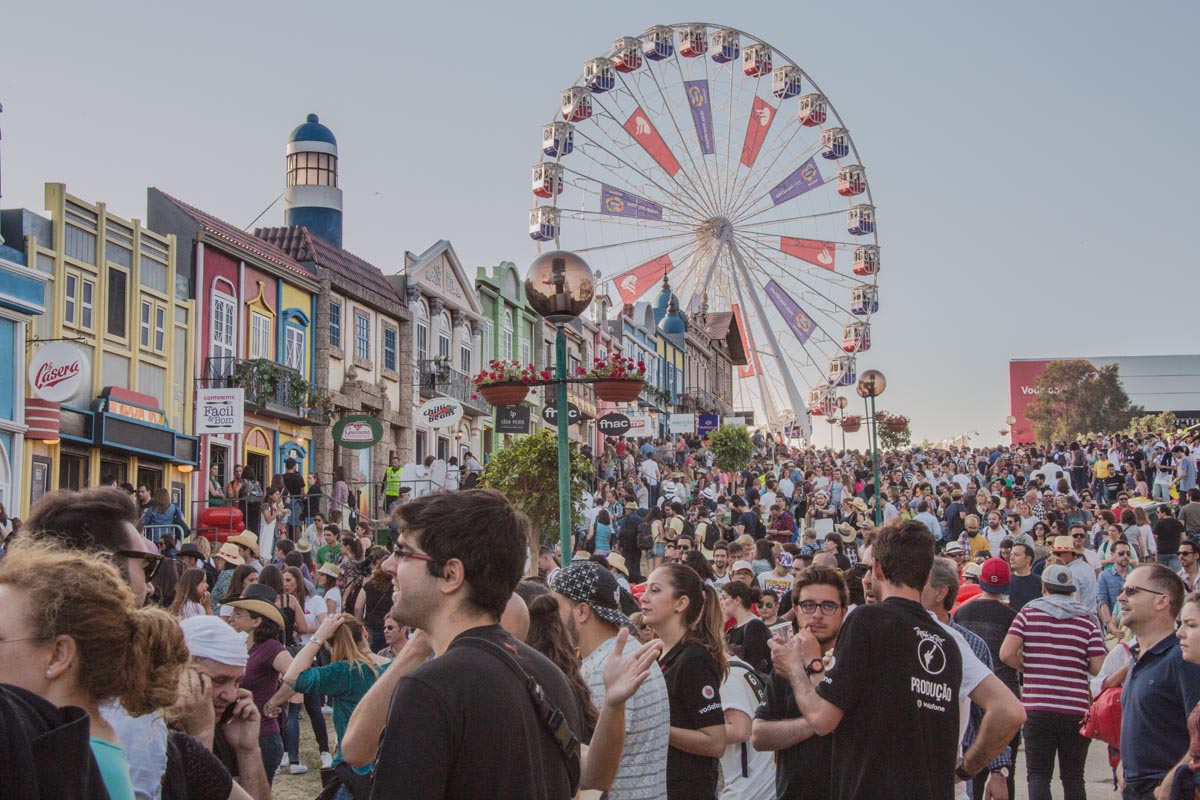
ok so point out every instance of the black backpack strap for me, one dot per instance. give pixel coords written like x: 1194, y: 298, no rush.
x: 554, y: 720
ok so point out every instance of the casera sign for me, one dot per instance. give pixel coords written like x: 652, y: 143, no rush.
x: 440, y: 412
x: 613, y: 424
x: 59, y: 371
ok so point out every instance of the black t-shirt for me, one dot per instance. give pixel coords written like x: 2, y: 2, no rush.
x: 749, y: 522
x: 1167, y: 532
x: 896, y: 676
x: 463, y: 726
x: 990, y: 621
x: 193, y: 772
x: 694, y: 690
x: 749, y: 643
x: 1023, y: 588
x: 294, y: 483
x: 803, y: 771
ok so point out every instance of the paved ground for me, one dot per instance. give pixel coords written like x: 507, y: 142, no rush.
x: 1099, y: 776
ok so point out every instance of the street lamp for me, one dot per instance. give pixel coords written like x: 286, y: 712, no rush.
x: 871, y: 385
x: 842, y: 402
x: 559, y: 286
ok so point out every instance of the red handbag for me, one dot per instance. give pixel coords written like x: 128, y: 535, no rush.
x: 1103, y: 719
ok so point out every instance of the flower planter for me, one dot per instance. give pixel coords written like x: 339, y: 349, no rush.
x: 851, y: 426
x: 620, y: 391
x: 507, y: 393
x: 896, y: 427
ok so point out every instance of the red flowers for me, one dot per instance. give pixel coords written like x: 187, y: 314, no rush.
x: 616, y: 368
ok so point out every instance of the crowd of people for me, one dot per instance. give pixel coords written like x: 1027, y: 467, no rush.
x: 786, y: 631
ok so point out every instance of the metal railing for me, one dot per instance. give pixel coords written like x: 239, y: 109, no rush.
x: 270, y: 388
x: 155, y: 532
x: 437, y: 377
x: 695, y: 398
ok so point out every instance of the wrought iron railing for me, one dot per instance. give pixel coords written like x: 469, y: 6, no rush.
x: 270, y: 388
x: 438, y: 378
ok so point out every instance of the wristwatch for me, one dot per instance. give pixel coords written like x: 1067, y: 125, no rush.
x: 961, y: 773
x: 814, y: 667
x: 1005, y: 772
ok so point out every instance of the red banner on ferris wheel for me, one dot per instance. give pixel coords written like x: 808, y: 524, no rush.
x: 633, y: 284
x: 762, y: 114
x: 821, y: 254
x: 643, y: 131
x: 747, y: 371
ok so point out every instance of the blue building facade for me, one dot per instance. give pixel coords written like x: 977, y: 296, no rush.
x: 21, y: 298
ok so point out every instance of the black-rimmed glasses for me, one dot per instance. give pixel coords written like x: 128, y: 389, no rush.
x: 152, y: 560
x: 809, y: 607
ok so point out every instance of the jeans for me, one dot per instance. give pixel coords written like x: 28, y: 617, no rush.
x: 271, y: 748
x: 312, y: 704
x: 1161, y: 491
x: 1169, y: 559
x: 633, y: 560
x: 1047, y: 733
x: 1139, y: 793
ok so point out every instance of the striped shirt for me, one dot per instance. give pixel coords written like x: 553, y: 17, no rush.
x: 1056, y: 653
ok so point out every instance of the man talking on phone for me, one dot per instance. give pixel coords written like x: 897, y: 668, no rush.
x: 804, y: 766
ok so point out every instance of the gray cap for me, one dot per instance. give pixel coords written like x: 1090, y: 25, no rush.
x: 1058, y: 579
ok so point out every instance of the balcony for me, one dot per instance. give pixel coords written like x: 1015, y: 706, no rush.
x: 655, y: 398
x: 271, y: 389
x: 702, y: 401
x: 439, y: 379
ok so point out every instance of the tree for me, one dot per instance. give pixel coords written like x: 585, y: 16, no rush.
x: 527, y: 473
x: 731, y: 447
x: 1073, y: 397
x: 1152, y: 423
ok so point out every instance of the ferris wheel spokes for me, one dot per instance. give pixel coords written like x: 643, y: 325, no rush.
x: 810, y: 287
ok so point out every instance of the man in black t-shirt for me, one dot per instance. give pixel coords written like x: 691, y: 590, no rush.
x: 890, y: 697
x: 1168, y: 532
x: 804, y: 764
x: 465, y: 724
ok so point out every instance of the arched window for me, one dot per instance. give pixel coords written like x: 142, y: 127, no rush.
x: 422, y: 332
x: 445, y: 336
x: 506, y: 336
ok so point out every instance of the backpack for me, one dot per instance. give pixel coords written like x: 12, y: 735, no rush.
x: 710, y: 535
x: 760, y: 529
x: 689, y: 530
x: 645, y: 537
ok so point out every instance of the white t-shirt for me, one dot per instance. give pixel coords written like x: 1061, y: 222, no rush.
x: 641, y: 772
x: 974, y: 672
x: 193, y: 609
x: 995, y: 537
x: 334, y: 594
x: 743, y: 691
x: 774, y: 582
x: 313, y: 605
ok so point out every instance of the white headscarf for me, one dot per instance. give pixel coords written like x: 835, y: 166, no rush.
x: 211, y: 637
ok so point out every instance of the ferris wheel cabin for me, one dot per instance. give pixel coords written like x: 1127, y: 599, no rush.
x: 860, y: 219
x: 864, y: 300
x: 599, y: 76
x: 866, y: 259
x: 547, y: 179
x: 558, y: 139
x: 726, y: 46
x: 756, y: 60
x: 785, y: 82
x: 835, y: 143
x: 821, y: 401
x: 658, y: 43
x: 856, y: 337
x: 693, y: 41
x: 841, y: 371
x: 813, y: 110
x: 627, y: 54
x: 576, y: 104
x: 543, y: 223
x: 851, y: 180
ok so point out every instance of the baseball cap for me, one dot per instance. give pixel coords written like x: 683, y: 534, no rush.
x: 588, y: 582
x: 784, y: 560
x: 994, y: 576
x: 1064, y: 544
x: 742, y: 565
x: 1058, y: 579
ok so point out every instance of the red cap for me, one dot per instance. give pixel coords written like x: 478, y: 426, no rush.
x: 994, y: 576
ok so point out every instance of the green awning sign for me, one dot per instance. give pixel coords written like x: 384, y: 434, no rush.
x: 357, y: 432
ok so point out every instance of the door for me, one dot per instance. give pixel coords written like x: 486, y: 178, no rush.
x: 259, y: 464
x: 150, y: 477
x: 73, y: 472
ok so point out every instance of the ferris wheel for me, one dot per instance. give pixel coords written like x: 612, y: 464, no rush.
x: 704, y: 155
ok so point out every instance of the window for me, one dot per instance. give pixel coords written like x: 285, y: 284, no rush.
x: 160, y: 328
x: 525, y: 358
x: 362, y: 336
x: 117, y: 300
x: 224, y: 344
x: 389, y: 348
x: 260, y: 336
x: 422, y: 446
x: 422, y: 342
x: 443, y: 345
x: 154, y: 274
x: 87, y: 303
x: 147, y: 315
x: 293, y: 343
x: 445, y: 336
x: 312, y: 169
x: 488, y: 338
x: 506, y: 336
x: 335, y: 324
x: 464, y: 359
x: 70, y: 288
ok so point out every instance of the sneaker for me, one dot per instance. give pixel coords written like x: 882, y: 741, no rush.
x: 282, y: 768
x: 326, y: 760
x: 297, y: 769
x: 327, y: 710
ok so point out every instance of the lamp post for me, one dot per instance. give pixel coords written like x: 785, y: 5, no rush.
x: 871, y: 385
x: 559, y: 286
x: 842, y: 402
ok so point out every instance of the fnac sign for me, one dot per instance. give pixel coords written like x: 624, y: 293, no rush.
x: 59, y: 371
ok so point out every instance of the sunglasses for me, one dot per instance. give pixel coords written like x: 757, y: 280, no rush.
x: 1134, y: 591
x: 1121, y: 552
x: 153, y: 560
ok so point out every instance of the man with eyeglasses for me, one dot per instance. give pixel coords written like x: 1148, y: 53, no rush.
x: 1111, y: 583
x: 1161, y: 688
x: 804, y: 764
x: 1189, y: 570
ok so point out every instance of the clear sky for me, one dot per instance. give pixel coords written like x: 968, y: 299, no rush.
x: 1030, y: 161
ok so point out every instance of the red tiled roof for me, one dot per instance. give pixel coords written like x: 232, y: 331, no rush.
x: 223, y: 230
x: 304, y: 245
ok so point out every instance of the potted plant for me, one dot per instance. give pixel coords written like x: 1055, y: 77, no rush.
x: 851, y: 423
x: 896, y: 423
x: 617, y: 379
x: 506, y: 383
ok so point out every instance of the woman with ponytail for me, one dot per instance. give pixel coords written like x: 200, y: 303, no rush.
x: 74, y: 636
x: 687, y: 616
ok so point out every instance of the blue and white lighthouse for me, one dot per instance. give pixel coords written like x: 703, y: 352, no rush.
x: 312, y: 197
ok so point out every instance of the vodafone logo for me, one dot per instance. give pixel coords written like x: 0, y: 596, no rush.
x: 59, y: 371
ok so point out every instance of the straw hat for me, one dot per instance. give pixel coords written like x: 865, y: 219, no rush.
x: 859, y: 505
x: 331, y: 569
x: 230, y: 554
x: 304, y: 546
x: 847, y: 532
x: 260, y: 599
x: 617, y: 562
x: 245, y: 539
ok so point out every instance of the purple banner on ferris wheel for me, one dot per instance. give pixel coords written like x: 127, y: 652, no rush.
x: 698, y: 102
x: 801, y: 323
x: 806, y: 177
x: 623, y: 204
